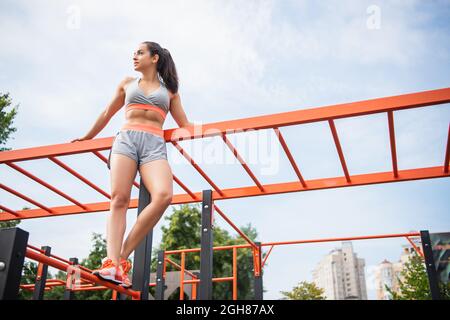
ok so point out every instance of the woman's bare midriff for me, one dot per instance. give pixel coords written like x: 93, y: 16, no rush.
x: 146, y: 117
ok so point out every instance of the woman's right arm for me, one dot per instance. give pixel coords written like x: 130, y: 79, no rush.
x: 116, y: 103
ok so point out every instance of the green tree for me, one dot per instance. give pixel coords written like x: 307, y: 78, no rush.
x: 415, y: 285
x: 183, y: 231
x: 6, y: 119
x: 304, y: 291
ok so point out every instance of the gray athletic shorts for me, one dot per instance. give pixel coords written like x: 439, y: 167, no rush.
x: 138, y: 145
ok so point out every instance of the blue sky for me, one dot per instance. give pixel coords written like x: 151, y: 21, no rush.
x: 61, y: 62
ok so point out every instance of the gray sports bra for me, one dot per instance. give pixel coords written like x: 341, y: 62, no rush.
x: 158, y: 100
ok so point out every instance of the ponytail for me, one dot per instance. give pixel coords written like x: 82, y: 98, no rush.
x: 165, y: 66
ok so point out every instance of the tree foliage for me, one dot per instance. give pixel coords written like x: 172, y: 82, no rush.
x: 304, y: 291
x: 413, y: 282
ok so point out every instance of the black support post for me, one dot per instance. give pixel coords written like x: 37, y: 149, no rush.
x: 41, y: 277
x: 429, y: 262
x: 160, y: 283
x: 206, y: 253
x: 143, y: 253
x: 13, y: 247
x: 72, y: 276
x: 258, y: 281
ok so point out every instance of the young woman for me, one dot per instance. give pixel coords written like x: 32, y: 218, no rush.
x: 139, y: 145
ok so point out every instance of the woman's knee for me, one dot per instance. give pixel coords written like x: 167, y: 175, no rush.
x: 163, y: 197
x: 120, y: 200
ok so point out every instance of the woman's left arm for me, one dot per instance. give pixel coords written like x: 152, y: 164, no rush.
x: 177, y: 112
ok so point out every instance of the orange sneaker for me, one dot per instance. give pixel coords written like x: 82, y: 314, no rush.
x: 126, y: 267
x: 109, y: 271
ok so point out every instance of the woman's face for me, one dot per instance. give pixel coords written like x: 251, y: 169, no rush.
x: 142, y: 60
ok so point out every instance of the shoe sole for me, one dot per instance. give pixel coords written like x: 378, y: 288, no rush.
x: 107, y: 279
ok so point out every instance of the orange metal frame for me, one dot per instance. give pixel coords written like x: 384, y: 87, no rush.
x: 273, y: 121
x: 89, y: 283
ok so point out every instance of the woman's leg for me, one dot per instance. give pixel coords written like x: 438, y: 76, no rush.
x: 158, y: 179
x: 123, y: 173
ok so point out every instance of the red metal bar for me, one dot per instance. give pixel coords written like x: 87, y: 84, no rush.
x: 58, y: 258
x: 290, y: 157
x: 234, y: 273
x: 83, y: 274
x: 242, y: 246
x: 179, y: 267
x: 225, y: 279
x: 242, y: 162
x: 24, y: 197
x: 5, y: 210
x: 61, y: 149
x: 243, y: 235
x: 344, y: 110
x: 276, y: 188
x: 79, y: 176
x: 97, y: 288
x: 256, y: 261
x: 328, y: 113
x: 343, y: 239
x: 417, y: 249
x: 183, y: 256
x: 392, y: 139
x: 194, y: 291
x: 267, y: 256
x: 337, y: 111
x: 339, y: 149
x: 191, y: 281
x: 35, y: 248
x: 447, y: 151
x: 195, y: 165
x: 181, y: 184
x: 45, y: 184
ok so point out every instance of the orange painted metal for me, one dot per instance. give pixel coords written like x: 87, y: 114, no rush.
x: 9, y: 213
x: 266, y: 257
x: 235, y: 279
x: 194, y: 291
x: 337, y: 111
x: 58, y: 258
x: 83, y: 274
x: 256, y: 261
x: 243, y: 235
x: 344, y: 110
x: 79, y: 176
x: 290, y: 157
x: 242, y: 161
x: 197, y: 167
x: 339, y: 149
x: 447, y: 152
x: 176, y: 265
x: 45, y: 184
x: 392, y: 142
x: 24, y: 197
x: 328, y: 113
x: 232, y: 193
x: 417, y: 249
x: 280, y: 243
